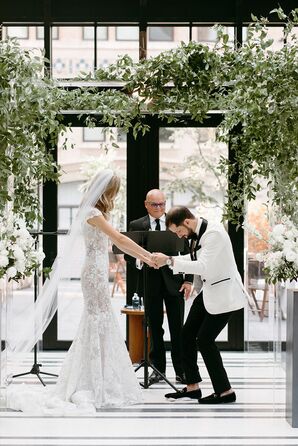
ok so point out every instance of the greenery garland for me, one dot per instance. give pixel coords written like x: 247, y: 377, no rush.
x: 254, y: 86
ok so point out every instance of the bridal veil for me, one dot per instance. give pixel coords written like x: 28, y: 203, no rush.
x: 37, y: 316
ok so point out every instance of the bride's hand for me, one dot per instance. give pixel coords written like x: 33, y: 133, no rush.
x: 150, y: 262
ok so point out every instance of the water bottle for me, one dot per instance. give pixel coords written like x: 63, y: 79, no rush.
x: 135, y: 301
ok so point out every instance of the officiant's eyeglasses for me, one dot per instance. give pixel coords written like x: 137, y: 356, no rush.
x: 157, y: 205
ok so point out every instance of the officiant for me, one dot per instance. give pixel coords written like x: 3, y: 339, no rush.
x: 163, y: 288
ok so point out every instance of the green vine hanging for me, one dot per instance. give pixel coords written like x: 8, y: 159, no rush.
x: 254, y: 86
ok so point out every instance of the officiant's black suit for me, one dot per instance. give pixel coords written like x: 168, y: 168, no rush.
x: 162, y: 286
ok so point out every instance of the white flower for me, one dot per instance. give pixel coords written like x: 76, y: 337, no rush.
x: 290, y: 256
x: 20, y: 266
x: 4, y: 261
x: 2, y: 245
x: 11, y: 272
x: 21, y: 222
x: 278, y: 230
x: 291, y: 234
x: 23, y: 243
x: 17, y: 244
x: 4, y: 252
x: 276, y: 239
x: 260, y: 256
x: 18, y: 253
x: 40, y: 255
x: 23, y: 233
x: 274, y: 259
x: 288, y: 245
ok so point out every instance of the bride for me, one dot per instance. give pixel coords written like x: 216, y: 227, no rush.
x: 97, y: 371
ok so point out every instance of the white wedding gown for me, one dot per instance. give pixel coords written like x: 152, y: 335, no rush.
x: 97, y: 371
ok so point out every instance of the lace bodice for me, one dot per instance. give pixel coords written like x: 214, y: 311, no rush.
x: 95, y: 272
x: 95, y: 240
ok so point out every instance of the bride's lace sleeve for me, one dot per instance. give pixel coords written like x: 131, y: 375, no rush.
x: 92, y: 212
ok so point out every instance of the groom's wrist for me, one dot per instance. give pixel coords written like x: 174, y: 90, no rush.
x: 170, y: 261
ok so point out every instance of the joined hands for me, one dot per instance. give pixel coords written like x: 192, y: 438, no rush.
x: 159, y: 259
x: 156, y: 260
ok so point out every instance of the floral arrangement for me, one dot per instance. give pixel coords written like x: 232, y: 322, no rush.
x: 281, y: 257
x: 18, y: 256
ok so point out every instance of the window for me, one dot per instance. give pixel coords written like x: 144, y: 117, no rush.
x: 208, y: 35
x: 88, y: 33
x: 21, y: 32
x: 70, y: 54
x: 127, y: 33
x: 93, y: 134
x: 121, y: 135
x: 161, y: 33
x: 40, y: 32
x: 166, y: 135
x: 204, y: 34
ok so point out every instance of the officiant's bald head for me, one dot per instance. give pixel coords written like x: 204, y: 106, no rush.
x: 155, y: 203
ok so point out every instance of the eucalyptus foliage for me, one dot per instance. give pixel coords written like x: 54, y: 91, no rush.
x: 254, y: 86
x: 29, y: 128
x: 262, y: 103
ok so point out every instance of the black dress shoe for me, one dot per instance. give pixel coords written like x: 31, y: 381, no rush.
x: 217, y: 399
x: 181, y: 379
x: 154, y: 378
x: 184, y: 394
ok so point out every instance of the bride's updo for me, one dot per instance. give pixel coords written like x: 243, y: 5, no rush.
x: 106, y: 202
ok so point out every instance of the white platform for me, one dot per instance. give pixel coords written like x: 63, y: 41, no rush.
x: 257, y: 418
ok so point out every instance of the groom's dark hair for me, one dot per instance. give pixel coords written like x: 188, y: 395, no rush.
x: 177, y: 215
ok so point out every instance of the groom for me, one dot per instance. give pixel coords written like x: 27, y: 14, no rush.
x: 211, y: 257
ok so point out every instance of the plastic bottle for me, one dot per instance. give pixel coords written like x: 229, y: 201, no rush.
x: 135, y: 301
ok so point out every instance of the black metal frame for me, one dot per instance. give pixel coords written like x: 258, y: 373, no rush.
x: 142, y: 175
x: 135, y: 11
x: 35, y: 369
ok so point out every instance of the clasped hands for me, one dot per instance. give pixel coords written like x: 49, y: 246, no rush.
x: 156, y: 260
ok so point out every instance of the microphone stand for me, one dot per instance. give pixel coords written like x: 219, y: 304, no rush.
x: 141, y: 238
x: 146, y: 363
x: 35, y: 369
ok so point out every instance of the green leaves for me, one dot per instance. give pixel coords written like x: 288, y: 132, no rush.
x: 28, y: 125
x: 254, y: 85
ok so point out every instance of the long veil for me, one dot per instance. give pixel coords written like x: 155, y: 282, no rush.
x: 36, y: 319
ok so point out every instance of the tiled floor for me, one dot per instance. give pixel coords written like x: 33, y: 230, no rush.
x: 257, y: 418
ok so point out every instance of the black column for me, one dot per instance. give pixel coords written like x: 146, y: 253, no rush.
x: 142, y: 175
x: 236, y: 325
x: 142, y: 169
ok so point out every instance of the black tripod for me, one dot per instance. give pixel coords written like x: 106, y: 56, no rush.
x: 153, y: 241
x: 35, y: 370
x: 145, y: 362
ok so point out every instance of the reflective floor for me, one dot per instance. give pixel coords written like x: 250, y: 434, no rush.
x: 257, y: 418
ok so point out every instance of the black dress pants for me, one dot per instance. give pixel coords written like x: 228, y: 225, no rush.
x: 175, y: 312
x: 200, y: 331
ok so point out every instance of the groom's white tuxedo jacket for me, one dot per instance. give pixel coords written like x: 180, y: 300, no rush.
x: 222, y: 285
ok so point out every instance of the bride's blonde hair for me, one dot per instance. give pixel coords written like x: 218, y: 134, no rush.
x: 106, y: 202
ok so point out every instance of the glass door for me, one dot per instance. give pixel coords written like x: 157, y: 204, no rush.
x: 93, y: 151
x: 188, y: 160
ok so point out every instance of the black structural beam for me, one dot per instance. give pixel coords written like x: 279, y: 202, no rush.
x: 134, y: 11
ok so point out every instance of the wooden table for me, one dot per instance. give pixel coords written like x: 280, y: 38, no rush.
x: 135, y: 334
